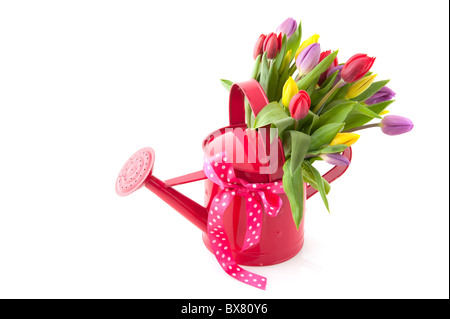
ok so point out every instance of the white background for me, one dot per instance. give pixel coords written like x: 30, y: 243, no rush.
x: 84, y: 84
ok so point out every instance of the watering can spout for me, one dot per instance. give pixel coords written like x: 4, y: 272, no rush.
x: 137, y: 172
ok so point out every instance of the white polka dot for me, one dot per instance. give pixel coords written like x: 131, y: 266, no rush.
x: 257, y: 225
x: 256, y: 237
x: 238, y: 269
x: 233, y: 193
x: 230, y: 172
x: 251, y: 214
x: 222, y: 176
x: 255, y: 219
x: 215, y: 164
x: 225, y: 159
x: 216, y: 200
x: 276, y: 183
x: 254, y: 232
x: 268, y: 187
x: 212, y: 175
x: 216, y: 208
x: 217, y: 252
x: 249, y: 199
x: 225, y: 248
x: 254, y: 185
x: 233, y: 274
x: 224, y: 204
x: 259, y: 285
x: 256, y: 205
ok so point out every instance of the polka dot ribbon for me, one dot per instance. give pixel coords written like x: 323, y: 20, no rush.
x: 259, y: 198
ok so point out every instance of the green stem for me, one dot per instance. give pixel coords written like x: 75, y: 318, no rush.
x: 363, y: 127
x: 326, y: 97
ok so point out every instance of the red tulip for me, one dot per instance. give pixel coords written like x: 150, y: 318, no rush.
x: 356, y: 67
x: 258, y: 50
x: 335, y: 63
x: 272, y: 45
x: 299, y: 105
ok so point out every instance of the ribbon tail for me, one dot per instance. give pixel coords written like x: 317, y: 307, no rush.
x: 220, y: 243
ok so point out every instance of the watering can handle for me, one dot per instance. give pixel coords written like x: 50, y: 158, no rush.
x: 255, y: 95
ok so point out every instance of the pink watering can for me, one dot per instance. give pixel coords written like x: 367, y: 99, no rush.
x: 247, y: 219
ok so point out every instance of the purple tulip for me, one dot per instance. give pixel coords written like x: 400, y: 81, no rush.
x: 384, y: 94
x: 308, y: 59
x: 396, y: 125
x: 288, y: 27
x: 335, y: 159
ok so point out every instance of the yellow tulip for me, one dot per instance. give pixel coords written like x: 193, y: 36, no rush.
x: 360, y: 86
x: 307, y: 42
x: 286, y: 61
x: 384, y: 112
x: 345, y: 138
x: 290, y: 89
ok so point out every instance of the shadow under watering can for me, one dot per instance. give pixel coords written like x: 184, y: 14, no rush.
x: 279, y: 238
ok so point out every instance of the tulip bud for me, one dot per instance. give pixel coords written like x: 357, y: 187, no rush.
x: 307, y: 43
x: 356, y: 67
x: 286, y: 61
x: 288, y: 27
x: 335, y: 63
x: 272, y: 45
x: 308, y: 59
x: 395, y: 125
x: 335, y: 159
x: 258, y: 50
x: 299, y: 105
x: 384, y: 94
x: 345, y: 138
x: 290, y: 89
x: 360, y: 86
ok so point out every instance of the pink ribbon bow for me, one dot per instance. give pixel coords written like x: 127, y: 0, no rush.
x: 221, y: 172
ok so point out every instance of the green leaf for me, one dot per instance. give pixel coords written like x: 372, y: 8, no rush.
x: 357, y: 119
x: 279, y: 58
x: 324, y: 135
x: 309, y: 178
x: 272, y: 83
x: 270, y: 114
x: 300, y: 144
x: 256, y: 67
x: 330, y: 149
x: 319, y: 183
x: 294, y: 41
x: 283, y: 125
x: 264, y: 80
x: 371, y: 90
x: 294, y: 188
x: 337, y: 114
x: 227, y: 84
x: 318, y: 95
x: 358, y: 108
x: 306, y: 81
x: 304, y: 125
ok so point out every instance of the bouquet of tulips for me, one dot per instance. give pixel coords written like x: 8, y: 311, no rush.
x: 316, y: 104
